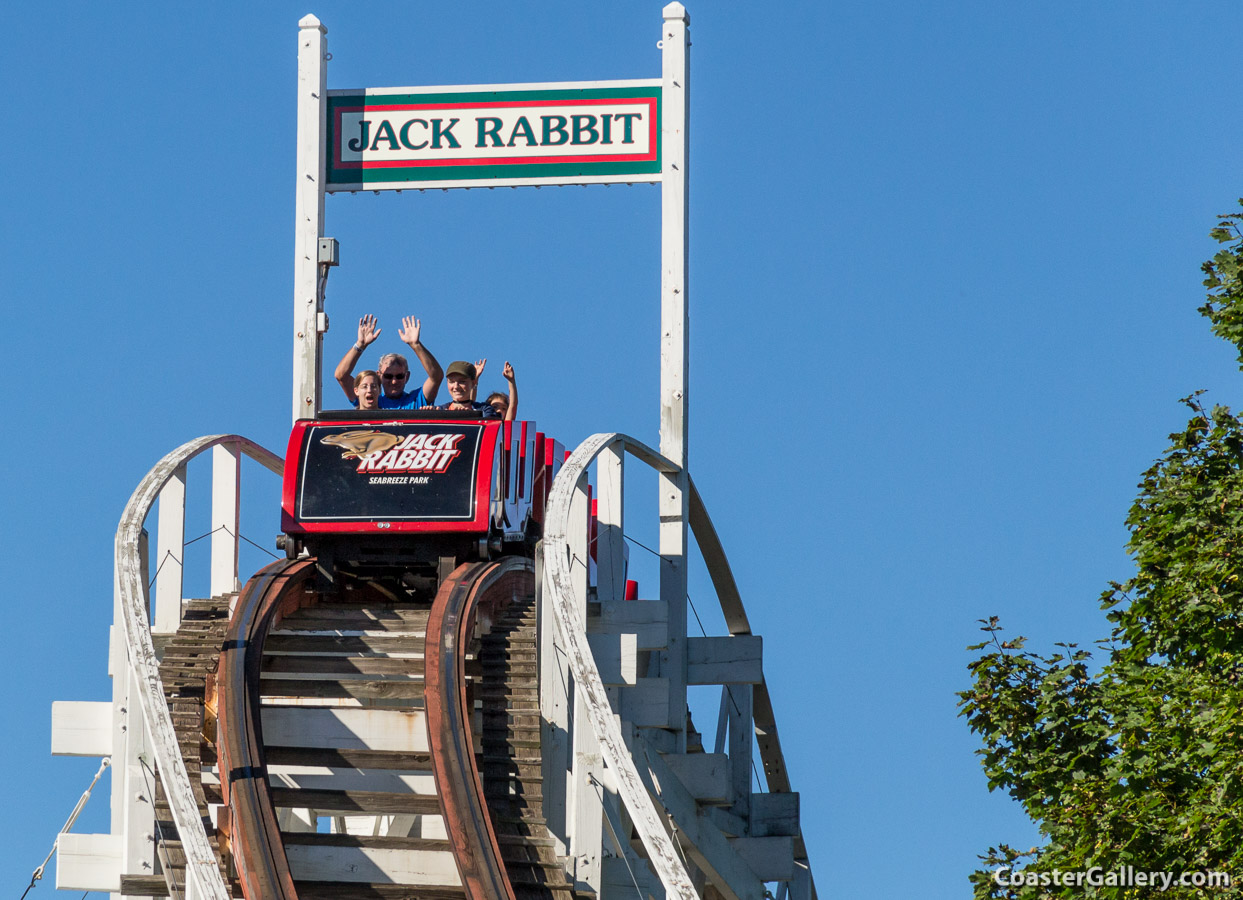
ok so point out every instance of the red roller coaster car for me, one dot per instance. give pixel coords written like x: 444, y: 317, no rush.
x: 413, y: 489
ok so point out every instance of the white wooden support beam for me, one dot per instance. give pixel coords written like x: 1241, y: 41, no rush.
x: 662, y: 740
x: 648, y: 620
x: 554, y: 712
x: 704, y: 775
x: 309, y: 215
x: 587, y: 830
x: 674, y: 350
x: 583, y: 802
x: 647, y: 703
x: 170, y: 549
x: 801, y: 886
x: 627, y: 878
x: 430, y: 828
x: 336, y: 778
x: 616, y: 657
x: 703, y: 842
x: 577, y: 541
x: 722, y: 721
x: 144, y: 566
x: 625, y: 873
x: 399, y: 866
x: 725, y: 660
x: 673, y: 585
x: 610, y: 546
x: 775, y: 773
x: 88, y: 862
x: 297, y: 820
x: 674, y: 316
x: 132, y: 811
x: 226, y: 483
x: 770, y: 858
x: 346, y: 728
x: 741, y: 740
x: 138, y: 823
x: 774, y: 815
x: 725, y: 821
x: 81, y: 728
x: 121, y: 716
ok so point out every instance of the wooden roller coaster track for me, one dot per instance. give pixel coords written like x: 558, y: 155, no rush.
x: 365, y: 711
x: 388, y: 743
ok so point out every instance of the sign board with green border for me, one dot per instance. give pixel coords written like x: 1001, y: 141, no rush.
x: 493, y: 135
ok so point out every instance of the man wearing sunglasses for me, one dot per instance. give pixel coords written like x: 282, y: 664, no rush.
x: 393, y: 369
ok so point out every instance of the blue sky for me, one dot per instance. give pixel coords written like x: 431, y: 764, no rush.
x: 943, y: 280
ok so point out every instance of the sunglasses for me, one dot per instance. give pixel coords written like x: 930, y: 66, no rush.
x: 402, y: 377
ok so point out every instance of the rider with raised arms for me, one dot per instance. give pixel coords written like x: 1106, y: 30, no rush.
x: 394, y: 370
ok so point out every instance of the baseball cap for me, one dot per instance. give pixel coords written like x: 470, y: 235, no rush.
x: 461, y: 367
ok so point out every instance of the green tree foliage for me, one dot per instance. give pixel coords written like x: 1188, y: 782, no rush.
x: 1132, y: 755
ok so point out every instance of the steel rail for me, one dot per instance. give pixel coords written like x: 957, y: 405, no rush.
x: 471, y: 590
x: 255, y: 838
x: 129, y: 583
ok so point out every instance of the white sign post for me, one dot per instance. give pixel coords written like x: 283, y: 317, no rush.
x: 674, y: 356
x: 309, y: 322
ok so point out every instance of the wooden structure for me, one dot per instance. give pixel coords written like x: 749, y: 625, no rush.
x: 526, y: 733
x: 631, y: 798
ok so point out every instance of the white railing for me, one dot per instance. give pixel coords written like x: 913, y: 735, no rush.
x: 145, y: 727
x: 596, y: 740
